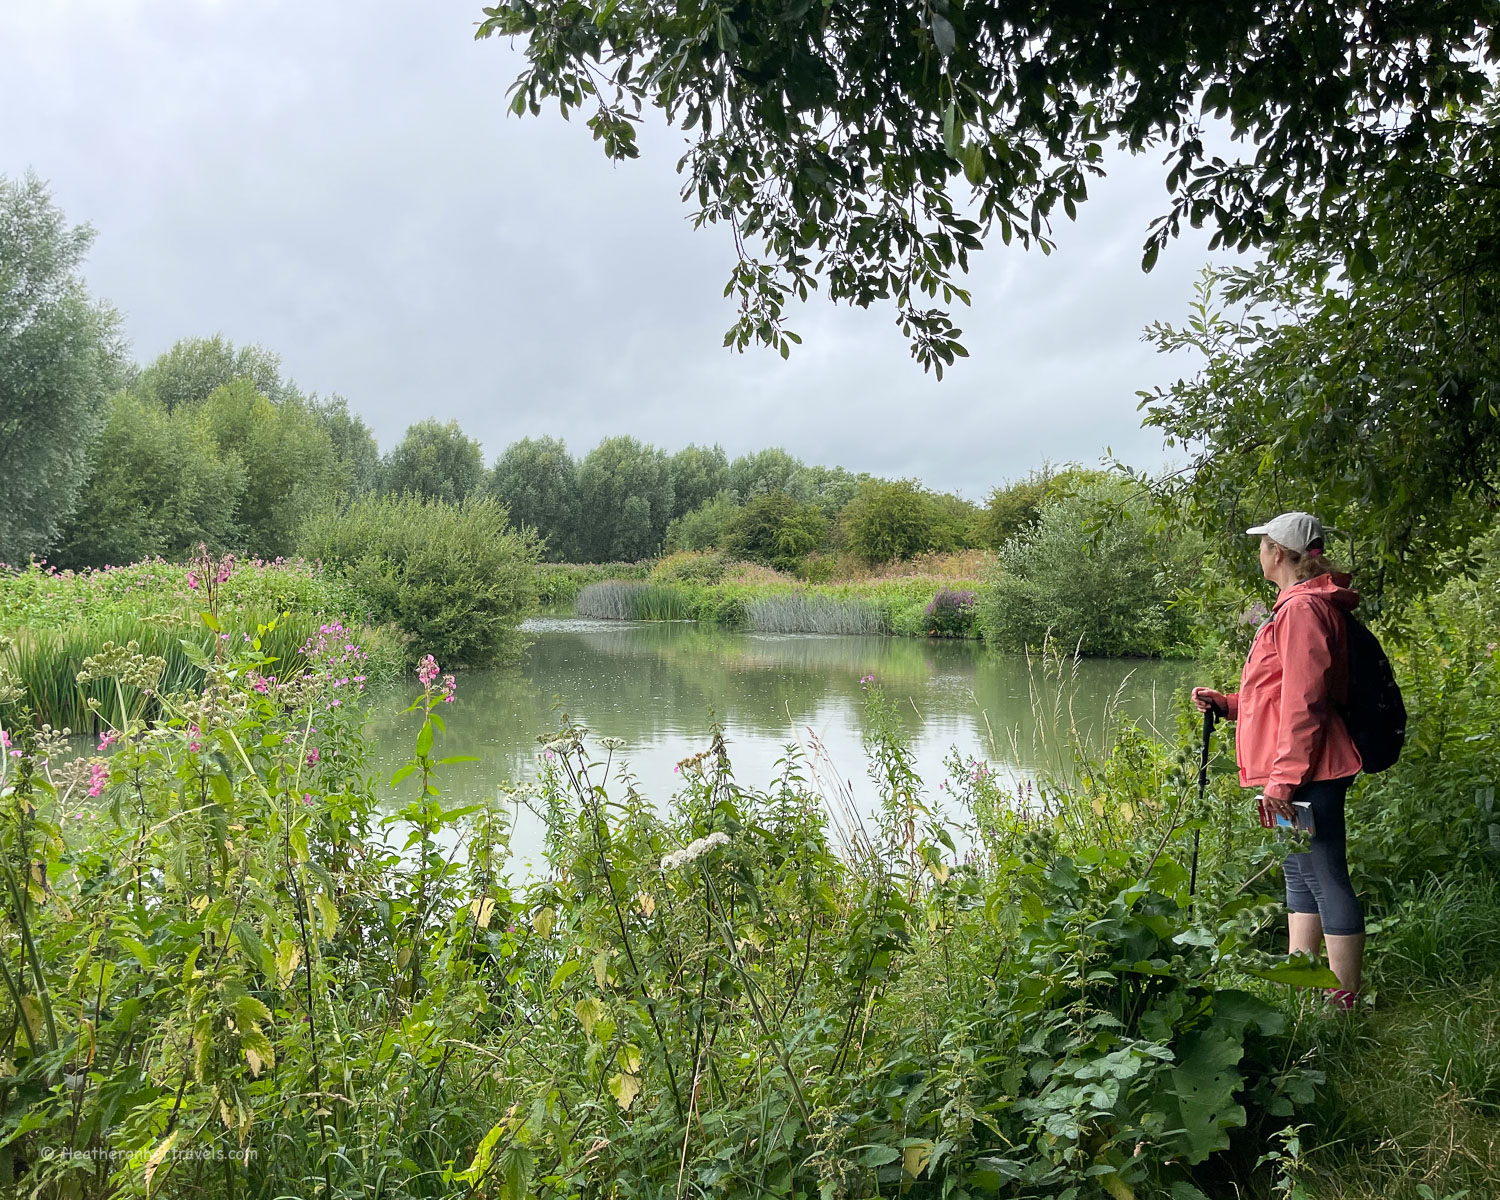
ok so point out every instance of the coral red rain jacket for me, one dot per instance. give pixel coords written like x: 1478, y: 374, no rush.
x: 1290, y: 731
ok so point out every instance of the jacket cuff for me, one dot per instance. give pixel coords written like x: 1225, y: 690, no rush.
x: 1280, y: 791
x: 1234, y: 706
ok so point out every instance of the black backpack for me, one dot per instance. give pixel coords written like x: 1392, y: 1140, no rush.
x: 1374, y: 712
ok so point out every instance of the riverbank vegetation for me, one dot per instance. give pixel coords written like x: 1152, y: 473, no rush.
x: 770, y: 603
x: 249, y: 973
x: 453, y: 577
x: 54, y: 621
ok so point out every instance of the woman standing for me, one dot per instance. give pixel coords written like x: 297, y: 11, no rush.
x: 1291, y: 741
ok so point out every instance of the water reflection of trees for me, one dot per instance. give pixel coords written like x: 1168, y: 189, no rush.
x: 661, y: 682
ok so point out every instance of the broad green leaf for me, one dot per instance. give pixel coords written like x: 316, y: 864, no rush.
x: 484, y: 1155
x: 1312, y: 975
x: 288, y: 957
x: 250, y: 1012
x: 481, y: 910
x: 328, y: 913
x: 566, y: 971
x: 259, y: 1053
x: 1117, y: 1187
x: 141, y: 953
x: 950, y: 129
x: 943, y: 36
x: 879, y: 1156
x: 624, y: 1088
x: 1204, y: 1083
x: 588, y: 1011
x: 915, y: 1157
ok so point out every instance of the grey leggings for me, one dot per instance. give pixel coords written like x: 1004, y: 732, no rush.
x: 1317, y: 881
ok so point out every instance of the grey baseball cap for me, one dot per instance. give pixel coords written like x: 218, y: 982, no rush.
x: 1294, y: 530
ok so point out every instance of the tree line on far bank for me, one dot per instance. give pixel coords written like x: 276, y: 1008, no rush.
x: 107, y: 462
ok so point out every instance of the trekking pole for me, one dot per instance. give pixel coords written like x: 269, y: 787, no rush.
x: 1208, y: 732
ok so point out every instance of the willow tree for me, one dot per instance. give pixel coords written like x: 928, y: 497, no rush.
x: 59, y: 357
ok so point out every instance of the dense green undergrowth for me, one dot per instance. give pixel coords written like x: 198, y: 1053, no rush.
x: 232, y: 984
x: 235, y: 965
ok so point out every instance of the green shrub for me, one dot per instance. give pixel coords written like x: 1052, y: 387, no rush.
x: 1092, y: 574
x: 776, y: 530
x: 455, y: 577
x: 689, y: 566
x: 1012, y: 508
x: 886, y: 520
x: 705, y: 527
x: 898, y: 519
x: 818, y: 567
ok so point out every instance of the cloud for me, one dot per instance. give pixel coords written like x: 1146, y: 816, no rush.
x: 341, y: 183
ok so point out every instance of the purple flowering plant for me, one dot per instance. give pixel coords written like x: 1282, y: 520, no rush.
x: 951, y: 613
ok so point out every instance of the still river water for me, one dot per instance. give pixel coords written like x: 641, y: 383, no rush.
x: 660, y: 685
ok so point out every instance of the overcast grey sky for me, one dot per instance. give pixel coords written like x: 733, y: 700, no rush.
x: 340, y: 182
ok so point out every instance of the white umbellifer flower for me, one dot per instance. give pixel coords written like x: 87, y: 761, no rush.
x: 694, y: 850
x: 612, y: 743
x: 521, y: 791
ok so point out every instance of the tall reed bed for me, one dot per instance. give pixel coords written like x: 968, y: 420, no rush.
x: 813, y: 612
x: 558, y: 584
x: 628, y: 600
x: 903, y: 607
x: 48, y: 661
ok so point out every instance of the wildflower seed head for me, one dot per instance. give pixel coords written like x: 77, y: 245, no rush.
x: 125, y: 663
x: 10, y: 687
x: 52, y: 744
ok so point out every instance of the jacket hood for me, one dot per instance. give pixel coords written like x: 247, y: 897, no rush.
x: 1333, y: 587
